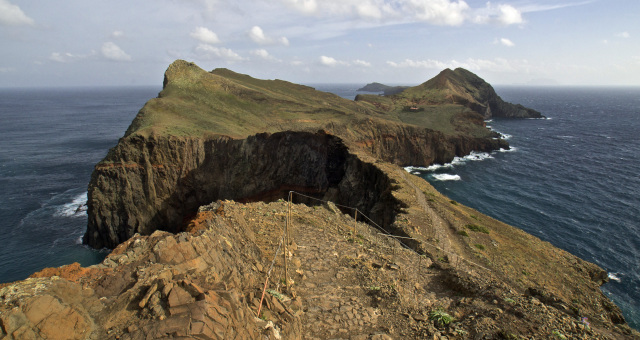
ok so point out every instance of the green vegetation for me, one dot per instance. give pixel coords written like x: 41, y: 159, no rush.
x: 463, y: 233
x: 440, y: 317
x: 559, y: 335
x: 197, y: 103
x: 276, y: 294
x: 479, y: 246
x: 510, y: 301
x: 477, y: 228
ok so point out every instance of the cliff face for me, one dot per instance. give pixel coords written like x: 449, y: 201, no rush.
x: 149, y: 183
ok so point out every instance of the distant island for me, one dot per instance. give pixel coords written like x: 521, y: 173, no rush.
x: 195, y: 198
x: 385, y: 89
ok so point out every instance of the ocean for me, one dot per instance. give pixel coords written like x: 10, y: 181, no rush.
x: 50, y: 139
x: 570, y: 180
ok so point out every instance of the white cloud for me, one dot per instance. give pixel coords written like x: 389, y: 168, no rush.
x: 12, y: 15
x: 437, y: 12
x: 117, y: 34
x: 495, y: 65
x: 69, y: 57
x: 505, y: 42
x: 7, y: 69
x: 205, y: 35
x: 440, y: 12
x: 329, y: 61
x: 264, y: 54
x: 112, y: 51
x: 56, y: 56
x: 284, y: 41
x: 623, y: 35
x: 258, y: 36
x: 304, y: 6
x: 502, y: 14
x: 509, y: 15
x: 429, y: 64
x: 362, y: 63
x: 209, y: 52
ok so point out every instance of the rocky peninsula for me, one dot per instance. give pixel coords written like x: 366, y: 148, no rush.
x: 194, y: 201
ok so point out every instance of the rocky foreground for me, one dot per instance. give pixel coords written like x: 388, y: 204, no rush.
x: 206, y: 283
x: 183, y: 200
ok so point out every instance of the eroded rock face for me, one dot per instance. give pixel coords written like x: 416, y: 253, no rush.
x: 145, y: 184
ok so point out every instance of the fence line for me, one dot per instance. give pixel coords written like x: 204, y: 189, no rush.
x: 275, y: 256
x: 286, y: 239
x: 384, y: 231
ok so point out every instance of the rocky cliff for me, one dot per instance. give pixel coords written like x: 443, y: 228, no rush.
x: 222, y: 135
x: 182, y: 197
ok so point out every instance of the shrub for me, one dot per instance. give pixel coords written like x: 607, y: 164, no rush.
x: 479, y: 246
x: 463, y: 233
x: 440, y: 317
x: 478, y: 228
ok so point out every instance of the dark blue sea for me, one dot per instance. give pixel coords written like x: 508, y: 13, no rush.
x: 571, y: 179
x: 50, y: 139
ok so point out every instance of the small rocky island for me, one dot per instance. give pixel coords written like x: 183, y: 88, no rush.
x: 381, y: 88
x: 194, y: 200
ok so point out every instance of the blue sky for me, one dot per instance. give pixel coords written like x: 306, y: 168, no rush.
x: 117, y: 42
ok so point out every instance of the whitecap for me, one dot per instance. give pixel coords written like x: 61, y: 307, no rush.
x: 477, y: 156
x: 77, y: 207
x: 446, y: 177
x: 614, y: 277
x: 505, y: 135
x: 510, y: 149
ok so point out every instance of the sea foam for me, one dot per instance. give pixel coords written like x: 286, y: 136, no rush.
x: 614, y: 277
x: 77, y: 207
x: 446, y: 177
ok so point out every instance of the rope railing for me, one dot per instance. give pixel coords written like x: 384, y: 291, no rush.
x: 384, y: 231
x: 286, y: 239
x: 266, y: 281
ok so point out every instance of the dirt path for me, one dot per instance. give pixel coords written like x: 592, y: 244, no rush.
x: 336, y: 305
x: 439, y: 225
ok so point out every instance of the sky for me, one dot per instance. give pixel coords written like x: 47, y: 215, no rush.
x: 506, y: 42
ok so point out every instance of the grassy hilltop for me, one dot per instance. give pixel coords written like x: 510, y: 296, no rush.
x: 194, y: 102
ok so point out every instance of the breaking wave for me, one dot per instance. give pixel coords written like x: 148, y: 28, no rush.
x: 446, y: 177
x: 76, y: 208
